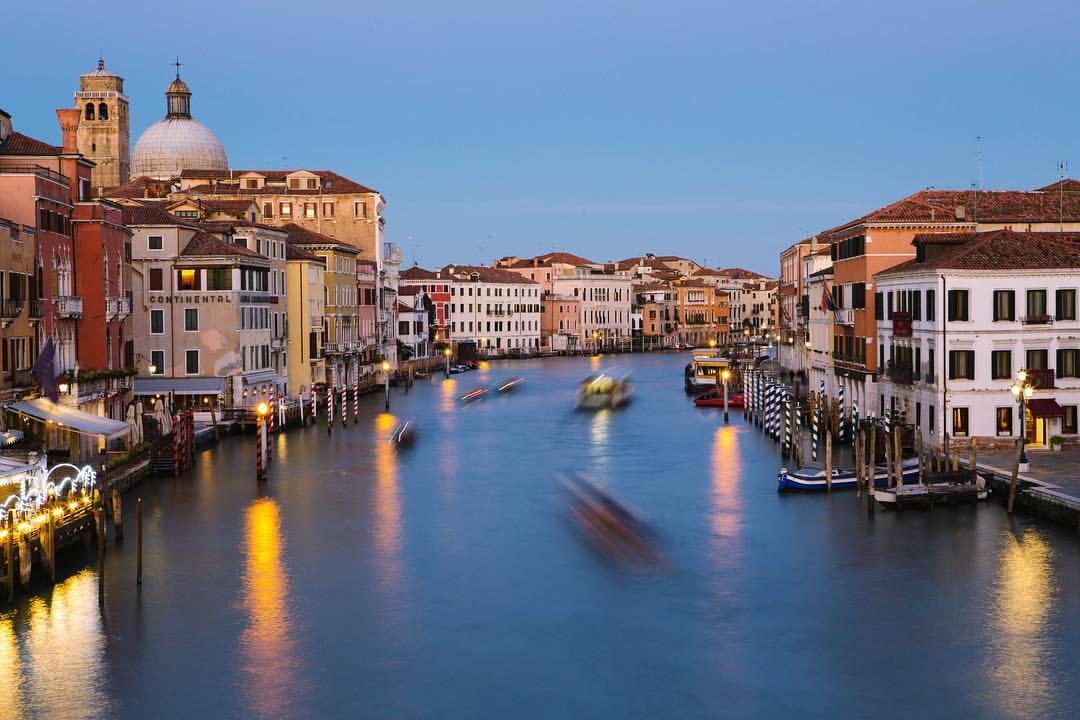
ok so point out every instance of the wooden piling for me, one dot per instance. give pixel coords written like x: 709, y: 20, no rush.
x: 1015, y: 476
x: 48, y: 541
x: 828, y: 460
x: 860, y: 469
x: 118, y: 517
x: 973, y: 456
x: 99, y: 527
x: 138, y: 541
x: 871, y: 461
x: 898, y: 456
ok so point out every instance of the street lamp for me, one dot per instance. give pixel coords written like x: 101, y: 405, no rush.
x: 386, y: 382
x: 1022, y: 390
x: 447, y: 353
x: 725, y: 375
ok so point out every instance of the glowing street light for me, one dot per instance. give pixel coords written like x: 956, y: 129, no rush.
x: 447, y: 353
x: 386, y: 382
x: 725, y: 375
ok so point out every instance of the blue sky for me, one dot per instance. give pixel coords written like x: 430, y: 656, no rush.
x: 719, y: 130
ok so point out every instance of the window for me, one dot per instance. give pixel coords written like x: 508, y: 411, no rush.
x: 916, y: 304
x: 960, y: 422
x: 961, y: 364
x: 1036, y: 305
x: 312, y: 184
x: 328, y: 209
x: 157, y: 279
x: 1068, y: 422
x: 103, y: 111
x: 931, y: 308
x: 309, y: 210
x: 294, y: 183
x: 879, y: 307
x: 191, y: 319
x: 157, y: 322
x: 268, y: 209
x: 219, y: 279
x: 251, y: 183
x: 358, y: 209
x: 1001, y: 364
x: 191, y: 362
x: 1004, y: 305
x: 188, y: 280
x: 1068, y: 363
x: 958, y: 305
x: 930, y: 418
x: 1065, y: 304
x: 157, y: 359
x: 1037, y: 359
x: 285, y: 209
x: 1004, y: 421
x: 89, y: 111
x: 155, y: 242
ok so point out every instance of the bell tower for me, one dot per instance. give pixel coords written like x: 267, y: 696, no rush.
x: 104, y: 135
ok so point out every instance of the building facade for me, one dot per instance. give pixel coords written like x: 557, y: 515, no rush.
x: 104, y: 135
x: 305, y: 289
x: 494, y: 308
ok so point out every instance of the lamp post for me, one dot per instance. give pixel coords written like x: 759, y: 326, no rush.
x: 447, y: 353
x: 725, y: 375
x: 386, y: 382
x: 1022, y: 390
x: 596, y: 342
x: 260, y: 441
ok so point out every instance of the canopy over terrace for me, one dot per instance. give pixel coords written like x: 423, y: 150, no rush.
x: 67, y: 417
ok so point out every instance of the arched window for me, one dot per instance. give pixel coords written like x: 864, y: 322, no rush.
x: 103, y: 111
x: 89, y: 111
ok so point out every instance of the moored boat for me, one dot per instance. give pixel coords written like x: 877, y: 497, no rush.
x: 716, y: 399
x: 603, y: 391
x: 948, y: 488
x: 813, y: 479
x: 705, y: 372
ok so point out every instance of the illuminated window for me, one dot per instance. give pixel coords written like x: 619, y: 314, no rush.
x: 1004, y: 421
x: 285, y: 209
x: 188, y: 280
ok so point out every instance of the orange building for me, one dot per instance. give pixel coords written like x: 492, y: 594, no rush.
x: 703, y: 312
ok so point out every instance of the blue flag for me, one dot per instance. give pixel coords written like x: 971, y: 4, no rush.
x: 44, y: 371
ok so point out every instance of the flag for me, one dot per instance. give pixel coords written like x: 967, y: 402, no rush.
x: 827, y: 304
x: 44, y: 371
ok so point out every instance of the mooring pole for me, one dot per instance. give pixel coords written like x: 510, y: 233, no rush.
x: 138, y: 541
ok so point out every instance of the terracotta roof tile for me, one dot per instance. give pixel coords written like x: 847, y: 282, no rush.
x: 205, y: 244
x: 152, y: 214
x: 994, y: 250
x: 416, y: 273
x: 463, y: 273
x: 303, y: 236
x: 331, y: 181
x: 18, y: 144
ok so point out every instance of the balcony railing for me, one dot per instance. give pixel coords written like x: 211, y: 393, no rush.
x: 1043, y: 319
x: 35, y: 309
x: 69, y: 306
x: 900, y: 375
x: 1042, y: 379
x: 844, y: 316
x: 930, y: 379
x: 10, y: 308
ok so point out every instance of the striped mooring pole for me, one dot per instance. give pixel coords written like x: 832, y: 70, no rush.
x: 273, y: 412
x: 329, y: 409
x: 815, y: 430
x: 344, y: 404
x: 787, y: 425
x: 314, y: 403
x: 843, y: 421
x: 356, y: 399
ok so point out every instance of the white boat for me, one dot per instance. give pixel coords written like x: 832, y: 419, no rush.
x: 603, y: 391
x: 702, y: 372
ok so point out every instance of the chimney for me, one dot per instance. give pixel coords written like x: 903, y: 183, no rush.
x: 961, y: 212
x: 69, y: 125
x: 5, y: 125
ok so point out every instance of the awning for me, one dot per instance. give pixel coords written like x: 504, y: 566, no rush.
x: 179, y: 386
x: 45, y: 410
x: 1045, y: 408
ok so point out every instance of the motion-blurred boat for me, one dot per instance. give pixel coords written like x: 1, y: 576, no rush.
x: 474, y: 394
x: 509, y: 384
x: 404, y: 433
x: 608, y: 523
x: 603, y: 391
x: 813, y: 479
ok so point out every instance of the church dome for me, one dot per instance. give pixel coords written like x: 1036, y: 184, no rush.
x: 178, y: 142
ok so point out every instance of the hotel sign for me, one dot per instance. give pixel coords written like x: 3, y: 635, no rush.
x: 191, y: 299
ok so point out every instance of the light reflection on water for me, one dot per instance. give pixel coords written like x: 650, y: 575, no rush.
x: 1019, y: 669
x: 727, y: 471
x: 267, y: 642
x: 52, y: 654
x: 387, y: 503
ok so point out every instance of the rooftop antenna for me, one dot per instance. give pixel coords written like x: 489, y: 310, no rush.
x: 412, y: 244
x: 1063, y: 169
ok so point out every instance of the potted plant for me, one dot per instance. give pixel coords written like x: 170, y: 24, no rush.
x: 1056, y: 442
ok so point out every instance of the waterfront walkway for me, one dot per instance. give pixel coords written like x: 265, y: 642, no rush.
x: 1053, y: 475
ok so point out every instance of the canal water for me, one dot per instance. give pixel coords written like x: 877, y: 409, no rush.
x: 447, y: 581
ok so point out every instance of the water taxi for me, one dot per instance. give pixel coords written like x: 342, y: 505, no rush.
x: 404, y: 433
x: 705, y: 372
x: 715, y: 398
x: 474, y: 394
x: 611, y: 525
x: 603, y: 391
x: 509, y: 384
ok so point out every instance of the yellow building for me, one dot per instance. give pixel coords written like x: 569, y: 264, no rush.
x: 704, y: 311
x: 305, y: 284
x: 341, y: 307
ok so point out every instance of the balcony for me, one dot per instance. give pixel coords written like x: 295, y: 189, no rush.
x: 10, y: 308
x: 900, y: 375
x: 844, y: 316
x: 1037, y: 319
x: 1041, y: 379
x: 69, y: 306
x: 117, y: 308
x: 277, y: 343
x: 35, y: 310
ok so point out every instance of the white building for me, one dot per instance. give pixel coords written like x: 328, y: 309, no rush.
x: 958, y: 322
x: 413, y: 321
x: 604, y: 296
x: 497, y: 309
